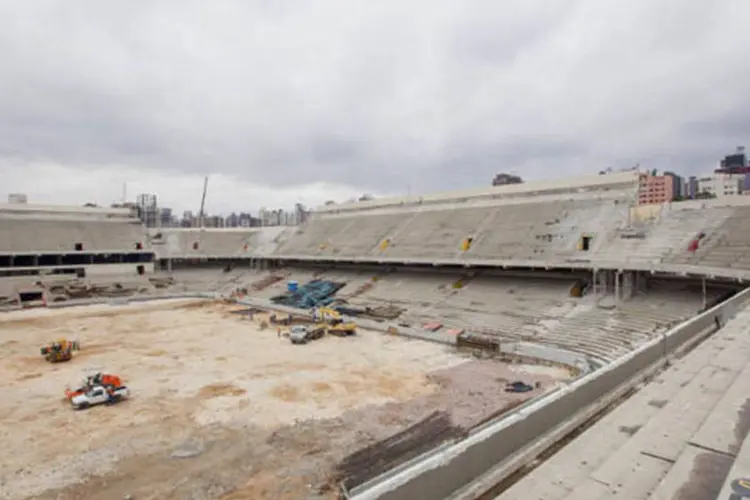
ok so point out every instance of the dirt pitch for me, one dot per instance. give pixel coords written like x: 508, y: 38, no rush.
x: 219, y: 407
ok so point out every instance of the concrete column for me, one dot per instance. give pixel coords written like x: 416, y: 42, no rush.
x: 594, y: 283
x: 617, y: 287
x: 628, y: 279
x: 169, y: 266
x: 705, y: 300
x: 603, y: 282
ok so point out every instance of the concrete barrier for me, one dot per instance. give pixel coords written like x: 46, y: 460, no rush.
x: 123, y: 301
x: 538, y: 353
x: 489, y: 454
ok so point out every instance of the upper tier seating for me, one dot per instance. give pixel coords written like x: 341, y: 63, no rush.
x: 663, y: 238
x: 210, y: 243
x: 550, y: 230
x: 18, y: 235
x: 526, y: 231
x: 726, y: 244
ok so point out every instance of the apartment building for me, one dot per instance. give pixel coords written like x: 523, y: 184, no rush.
x: 720, y: 185
x: 655, y: 189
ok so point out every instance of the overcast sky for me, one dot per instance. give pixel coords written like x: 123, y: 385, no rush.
x: 286, y: 101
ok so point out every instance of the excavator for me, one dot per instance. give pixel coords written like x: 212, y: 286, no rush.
x: 335, y: 322
x: 59, y: 350
x: 327, y: 315
x: 342, y: 329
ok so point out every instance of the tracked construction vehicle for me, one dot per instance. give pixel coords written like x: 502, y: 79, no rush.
x: 59, y: 350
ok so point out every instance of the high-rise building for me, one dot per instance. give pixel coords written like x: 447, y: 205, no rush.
x: 17, y: 199
x: 735, y: 163
x: 247, y: 220
x: 654, y: 189
x: 720, y: 185
x: 148, y: 209
x: 232, y: 220
x: 188, y: 219
x: 677, y: 183
x: 505, y: 179
x: 691, y: 187
x: 165, y: 217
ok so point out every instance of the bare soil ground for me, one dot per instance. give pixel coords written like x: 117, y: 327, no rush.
x: 219, y: 407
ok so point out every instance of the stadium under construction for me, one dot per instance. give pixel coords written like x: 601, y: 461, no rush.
x: 539, y: 340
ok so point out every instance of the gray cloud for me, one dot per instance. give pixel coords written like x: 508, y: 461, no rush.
x: 376, y: 95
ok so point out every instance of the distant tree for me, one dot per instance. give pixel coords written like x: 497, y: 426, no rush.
x: 90, y: 205
x: 330, y: 202
x: 704, y: 195
x: 678, y: 197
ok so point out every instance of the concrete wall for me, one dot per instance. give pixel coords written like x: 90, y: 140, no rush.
x: 118, y: 269
x: 645, y: 213
x: 122, y: 301
x: 491, y: 449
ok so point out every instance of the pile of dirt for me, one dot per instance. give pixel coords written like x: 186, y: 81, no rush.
x: 384, y: 312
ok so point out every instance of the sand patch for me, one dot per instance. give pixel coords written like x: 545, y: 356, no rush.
x: 155, y: 353
x: 286, y: 392
x: 218, y: 390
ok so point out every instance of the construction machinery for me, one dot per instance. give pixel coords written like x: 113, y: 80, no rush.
x: 342, y: 329
x: 327, y: 315
x: 59, y: 350
x: 301, y: 334
x: 97, y: 389
x: 98, y: 379
x: 98, y: 395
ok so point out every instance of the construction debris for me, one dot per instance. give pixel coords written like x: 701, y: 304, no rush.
x: 475, y: 340
x: 247, y: 311
x: 384, y: 312
x: 373, y: 460
x: 161, y: 281
x: 518, y: 386
x: 265, y: 282
x: 80, y: 289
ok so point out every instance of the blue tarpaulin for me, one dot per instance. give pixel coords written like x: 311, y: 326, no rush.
x: 314, y: 293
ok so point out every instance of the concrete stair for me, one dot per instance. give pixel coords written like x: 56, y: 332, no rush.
x: 674, y: 439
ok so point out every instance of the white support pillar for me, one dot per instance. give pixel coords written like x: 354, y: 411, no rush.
x: 705, y: 300
x: 594, y: 283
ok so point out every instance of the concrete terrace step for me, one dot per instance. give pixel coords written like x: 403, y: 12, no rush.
x: 650, y: 443
x: 711, y: 450
x: 740, y: 469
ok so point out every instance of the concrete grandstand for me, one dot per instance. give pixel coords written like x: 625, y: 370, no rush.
x: 568, y: 274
